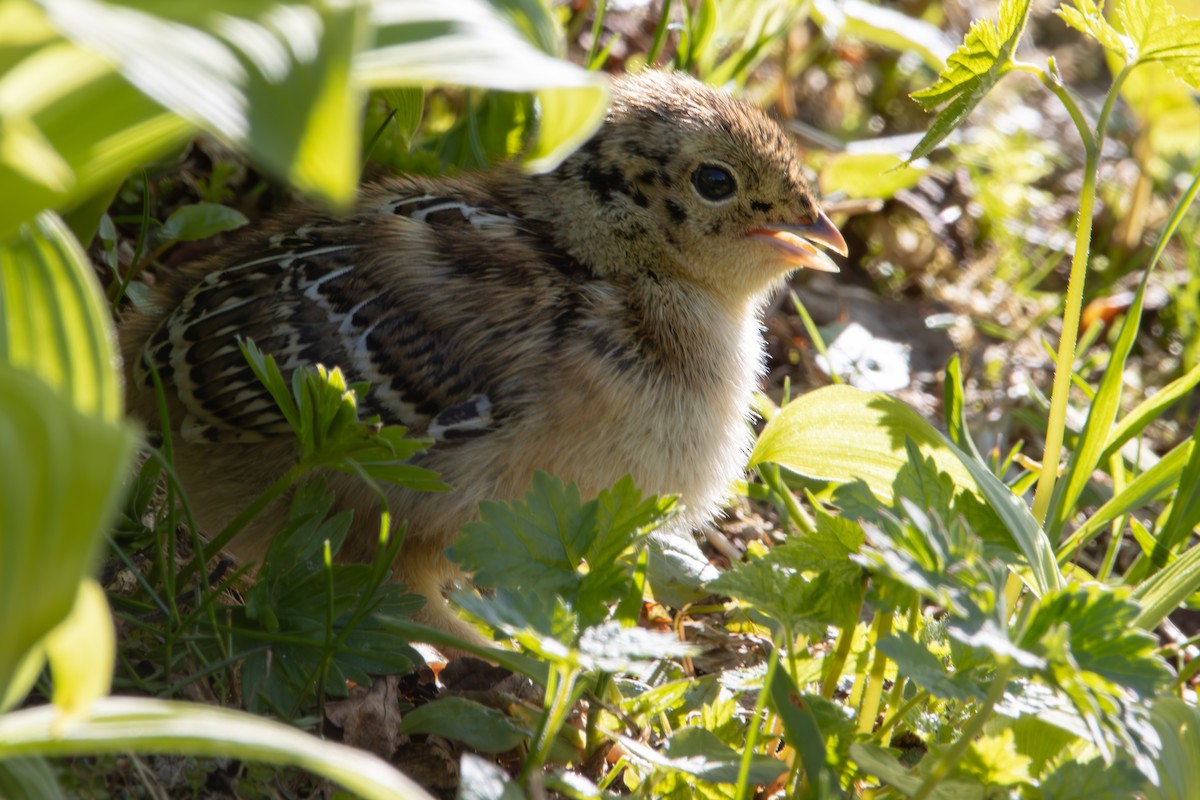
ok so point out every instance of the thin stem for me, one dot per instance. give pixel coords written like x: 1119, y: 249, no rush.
x: 841, y: 653
x: 874, y: 692
x: 1073, y: 304
x: 560, y: 688
x: 744, y: 787
x: 973, y: 728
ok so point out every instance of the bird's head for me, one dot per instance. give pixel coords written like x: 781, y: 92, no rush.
x: 686, y: 181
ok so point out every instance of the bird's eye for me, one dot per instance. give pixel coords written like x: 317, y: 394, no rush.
x: 713, y: 182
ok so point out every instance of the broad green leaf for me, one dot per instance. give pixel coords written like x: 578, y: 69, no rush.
x: 60, y: 421
x: 841, y: 434
x: 477, y: 726
x: 803, y: 584
x: 993, y: 760
x: 1094, y: 780
x: 120, y: 725
x: 53, y: 321
x: 69, y: 124
x: 535, y: 542
x: 982, y: 59
x: 1087, y: 18
x: 273, y: 79
x: 868, y: 175
x: 200, y: 221
x: 886, y: 27
x: 916, y: 662
x: 1178, y: 726
x: 1162, y: 35
x: 80, y: 650
x: 466, y: 42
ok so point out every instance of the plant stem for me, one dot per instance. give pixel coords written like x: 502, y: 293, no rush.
x: 560, y: 690
x: 870, y: 704
x: 841, y: 652
x: 743, y: 781
x: 1073, y: 304
x: 973, y: 728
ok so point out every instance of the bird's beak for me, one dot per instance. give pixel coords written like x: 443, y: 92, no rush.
x: 798, y: 242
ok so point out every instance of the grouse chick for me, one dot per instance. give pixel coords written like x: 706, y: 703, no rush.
x: 597, y: 320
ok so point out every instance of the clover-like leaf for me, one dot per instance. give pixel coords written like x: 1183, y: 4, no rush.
x: 1162, y: 35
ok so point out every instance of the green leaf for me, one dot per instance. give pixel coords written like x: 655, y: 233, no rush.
x: 981, y: 60
x: 1149, y: 410
x: 60, y: 421
x: 883, y: 763
x: 886, y: 27
x: 803, y: 584
x: 698, y: 752
x: 840, y: 434
x: 466, y: 42
x: 1161, y: 35
x: 539, y: 541
x: 120, y: 725
x: 483, y: 780
x: 1087, y: 18
x: 477, y: 726
x: 1166, y: 590
x: 80, y: 650
x: 29, y: 777
x: 863, y: 436
x: 609, y: 647
x: 1091, y: 630
x: 70, y: 126
x: 272, y: 79
x: 802, y: 730
x: 868, y: 175
x: 1178, y: 726
x: 917, y: 663
x: 1094, y: 780
x: 200, y: 221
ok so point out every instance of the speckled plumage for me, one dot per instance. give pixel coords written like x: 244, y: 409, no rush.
x: 597, y: 320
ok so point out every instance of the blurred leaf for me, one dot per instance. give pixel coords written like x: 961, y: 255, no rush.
x: 1167, y: 589
x: 868, y: 175
x: 200, y: 221
x: 1094, y: 780
x: 60, y: 411
x: 1161, y: 35
x: 70, y: 126
x: 477, y: 726
x: 482, y: 780
x: 54, y: 322
x: 273, y: 79
x: 971, y: 72
x: 886, y: 27
x: 466, y: 42
x: 917, y: 663
x: 610, y: 647
x: 993, y: 760
x: 82, y: 650
x: 29, y: 777
x: 1086, y: 17
x: 1178, y: 726
x: 123, y: 724
x: 883, y: 763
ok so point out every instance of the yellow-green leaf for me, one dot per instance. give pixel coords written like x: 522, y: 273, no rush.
x: 81, y: 650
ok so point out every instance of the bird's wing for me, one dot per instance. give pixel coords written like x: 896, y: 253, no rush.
x: 310, y: 296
